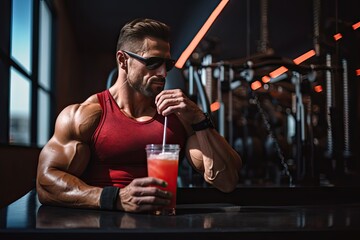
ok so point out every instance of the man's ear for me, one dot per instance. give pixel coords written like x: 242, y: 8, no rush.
x: 121, y: 59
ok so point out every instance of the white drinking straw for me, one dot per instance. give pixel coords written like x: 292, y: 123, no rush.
x: 164, y: 134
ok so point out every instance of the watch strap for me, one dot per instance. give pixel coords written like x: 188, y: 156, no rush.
x: 204, y: 124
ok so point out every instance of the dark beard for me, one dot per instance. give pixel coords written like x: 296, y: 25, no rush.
x: 147, y: 90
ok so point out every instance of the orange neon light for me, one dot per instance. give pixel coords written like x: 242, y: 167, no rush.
x: 215, y: 106
x: 357, y: 72
x: 304, y: 57
x: 337, y: 36
x: 186, y: 54
x: 256, y: 85
x: 277, y: 72
x: 318, y: 88
x: 265, y: 79
x: 356, y: 25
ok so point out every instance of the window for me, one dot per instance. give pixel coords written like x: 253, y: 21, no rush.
x: 44, y: 92
x: 19, y: 108
x: 20, y: 49
x: 27, y: 64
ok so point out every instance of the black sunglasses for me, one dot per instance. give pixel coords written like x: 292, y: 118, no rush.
x: 152, y: 63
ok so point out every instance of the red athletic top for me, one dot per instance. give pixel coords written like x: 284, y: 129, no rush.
x: 118, y: 144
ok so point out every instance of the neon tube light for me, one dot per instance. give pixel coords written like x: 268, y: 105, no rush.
x: 187, y: 52
x: 356, y: 25
x: 304, y: 57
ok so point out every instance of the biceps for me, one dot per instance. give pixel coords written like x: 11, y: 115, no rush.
x: 71, y: 157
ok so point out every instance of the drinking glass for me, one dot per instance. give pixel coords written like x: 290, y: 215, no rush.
x: 162, y: 162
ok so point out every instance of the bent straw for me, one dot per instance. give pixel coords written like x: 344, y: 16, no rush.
x: 164, y: 134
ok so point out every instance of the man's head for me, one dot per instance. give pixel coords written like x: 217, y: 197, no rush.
x: 143, y: 55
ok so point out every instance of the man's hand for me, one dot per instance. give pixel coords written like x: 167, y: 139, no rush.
x: 175, y: 101
x: 142, y: 195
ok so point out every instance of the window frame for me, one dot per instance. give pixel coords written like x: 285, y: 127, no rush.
x: 6, y: 63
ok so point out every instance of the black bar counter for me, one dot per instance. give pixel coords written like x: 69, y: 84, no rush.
x: 202, y: 213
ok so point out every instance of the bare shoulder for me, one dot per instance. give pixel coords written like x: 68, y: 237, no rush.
x: 79, y: 121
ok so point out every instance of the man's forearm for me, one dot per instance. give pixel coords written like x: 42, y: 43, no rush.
x: 62, y: 189
x: 221, y: 163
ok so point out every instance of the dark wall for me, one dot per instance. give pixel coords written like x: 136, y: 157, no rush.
x: 78, y: 73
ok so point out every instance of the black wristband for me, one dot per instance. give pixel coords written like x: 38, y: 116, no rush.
x: 204, y: 124
x: 109, y: 197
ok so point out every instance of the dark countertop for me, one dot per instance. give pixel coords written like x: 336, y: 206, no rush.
x: 214, y: 219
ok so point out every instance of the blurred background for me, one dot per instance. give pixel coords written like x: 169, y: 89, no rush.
x: 280, y: 77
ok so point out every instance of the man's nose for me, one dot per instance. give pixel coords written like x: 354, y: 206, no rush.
x: 162, y: 70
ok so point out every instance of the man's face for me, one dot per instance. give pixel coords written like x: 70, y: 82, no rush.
x: 149, y: 82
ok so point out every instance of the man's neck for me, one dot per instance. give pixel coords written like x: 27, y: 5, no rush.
x: 132, y: 103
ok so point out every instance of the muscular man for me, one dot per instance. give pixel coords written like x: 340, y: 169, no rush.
x: 101, y: 142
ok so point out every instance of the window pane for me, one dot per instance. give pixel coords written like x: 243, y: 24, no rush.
x: 19, y: 108
x: 43, y: 117
x: 21, y: 33
x: 45, y: 45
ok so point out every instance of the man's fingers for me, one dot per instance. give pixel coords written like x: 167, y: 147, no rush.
x: 149, y: 181
x: 171, y: 93
x: 151, y: 191
x: 144, y: 194
x: 151, y: 200
x: 169, y: 98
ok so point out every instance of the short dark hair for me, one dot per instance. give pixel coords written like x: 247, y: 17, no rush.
x: 137, y: 30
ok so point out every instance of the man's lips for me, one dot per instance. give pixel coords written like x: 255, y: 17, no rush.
x: 158, y: 82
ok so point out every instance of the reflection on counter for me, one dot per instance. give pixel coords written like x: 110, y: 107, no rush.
x: 196, y: 217
x: 27, y: 214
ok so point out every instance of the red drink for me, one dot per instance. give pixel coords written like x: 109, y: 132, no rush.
x: 167, y: 170
x: 163, y: 164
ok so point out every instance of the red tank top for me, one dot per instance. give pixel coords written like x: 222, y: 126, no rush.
x: 118, y: 144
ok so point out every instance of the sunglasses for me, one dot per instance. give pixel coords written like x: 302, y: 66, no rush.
x: 152, y: 63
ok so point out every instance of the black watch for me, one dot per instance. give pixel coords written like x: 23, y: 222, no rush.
x: 204, y: 124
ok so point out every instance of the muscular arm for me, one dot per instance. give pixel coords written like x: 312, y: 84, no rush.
x: 206, y: 150
x: 211, y: 155
x: 64, y: 158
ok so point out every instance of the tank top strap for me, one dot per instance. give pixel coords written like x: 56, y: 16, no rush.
x: 102, y: 97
